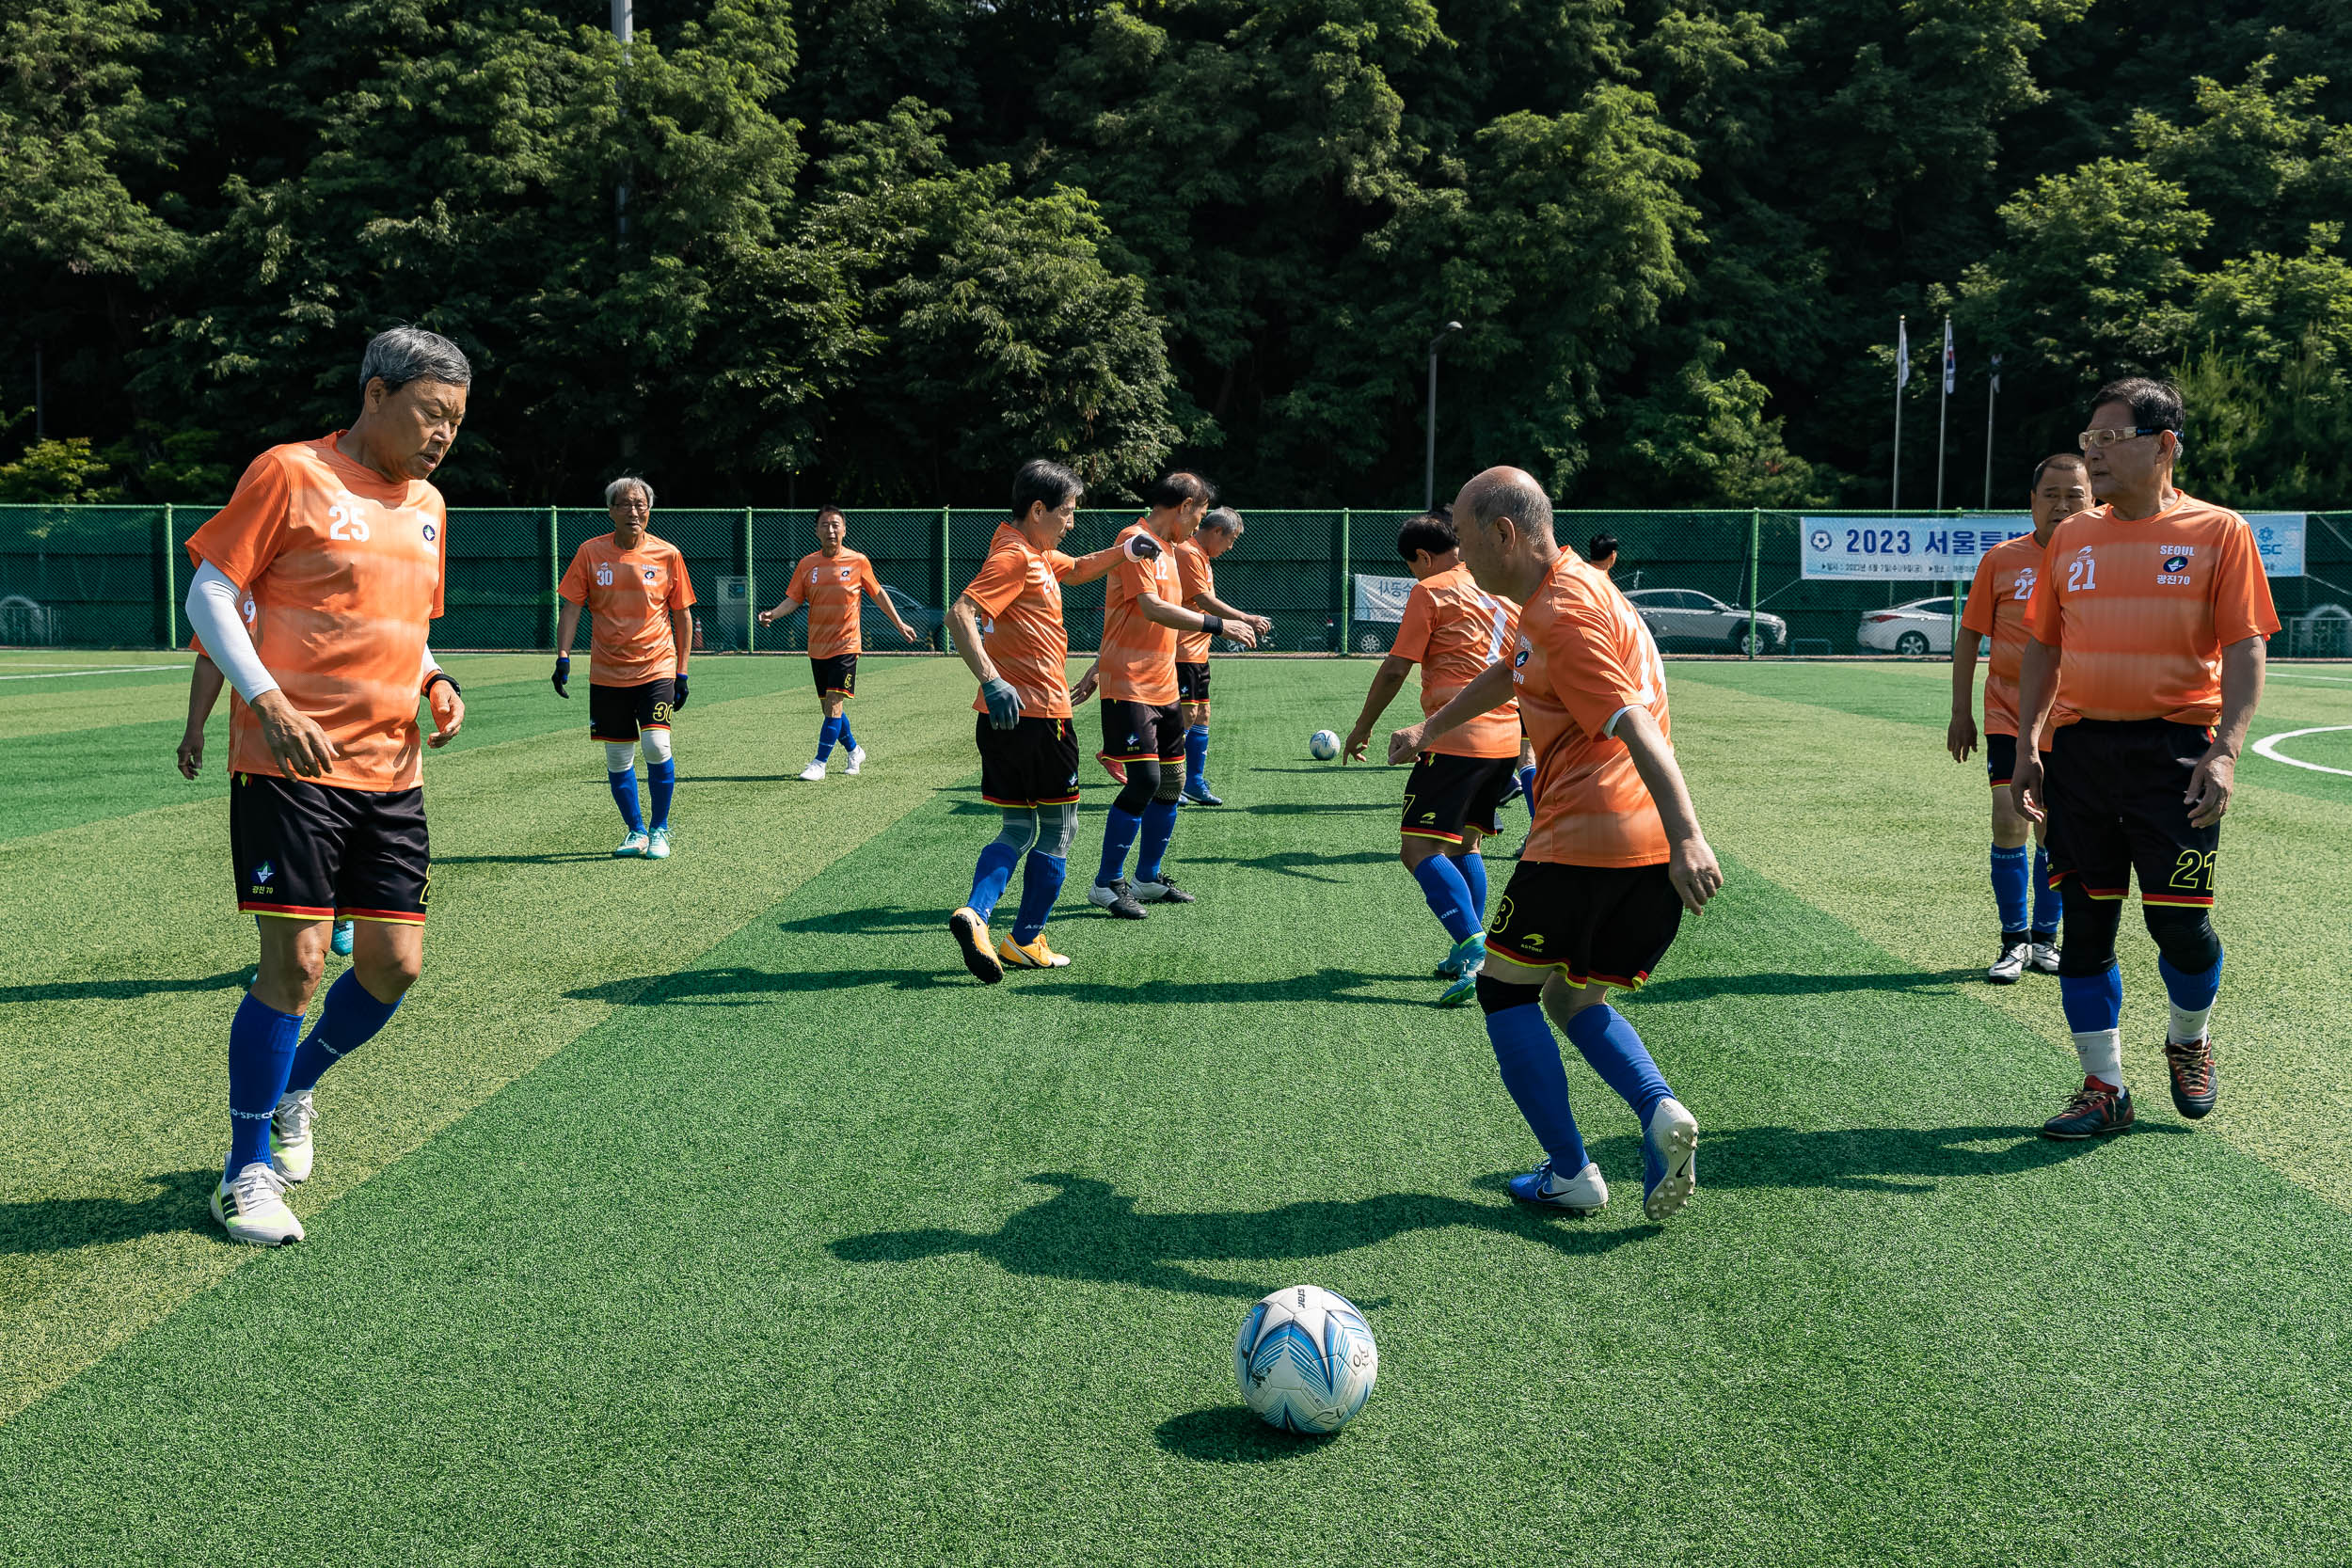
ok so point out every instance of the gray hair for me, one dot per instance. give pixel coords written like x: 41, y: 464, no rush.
x: 626, y: 481
x: 1508, y: 493
x: 1224, y: 517
x: 406, y: 353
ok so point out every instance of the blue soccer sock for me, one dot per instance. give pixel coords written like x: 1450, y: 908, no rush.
x: 351, y: 1016
x: 1040, y: 884
x: 2045, y: 898
x: 1120, y: 827
x: 990, y: 877
x: 262, y: 1045
x: 2094, y: 1014
x: 663, y: 776
x: 1527, y: 787
x: 1614, y: 1051
x: 2192, y: 1000
x: 1531, y: 1071
x: 848, y: 741
x: 1448, y: 895
x: 1196, y: 756
x: 1472, y: 865
x: 827, y: 733
x: 1159, y: 826
x: 625, y: 795
x: 2009, y: 889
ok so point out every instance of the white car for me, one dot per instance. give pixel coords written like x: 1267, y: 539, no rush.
x: 1921, y: 626
x: 1687, y: 621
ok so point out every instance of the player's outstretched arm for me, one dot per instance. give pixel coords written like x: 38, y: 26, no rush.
x: 1094, y: 567
x: 2037, y: 683
x: 1959, y: 735
x: 1490, y: 690
x: 1387, y: 682
x: 1160, y: 612
x: 1689, y: 860
x: 1211, y: 604
x: 2215, y: 775
x: 782, y: 608
x: 204, y: 684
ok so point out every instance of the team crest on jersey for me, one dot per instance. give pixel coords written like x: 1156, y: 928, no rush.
x: 1519, y: 659
x: 653, y: 574
x: 430, y: 533
x: 2175, y: 573
x: 844, y: 574
x: 264, y: 871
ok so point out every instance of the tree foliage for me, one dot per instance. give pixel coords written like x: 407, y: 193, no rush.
x: 882, y: 249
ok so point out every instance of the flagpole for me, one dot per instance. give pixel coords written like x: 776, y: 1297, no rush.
x: 1992, y: 391
x: 1902, y: 373
x: 1943, y: 402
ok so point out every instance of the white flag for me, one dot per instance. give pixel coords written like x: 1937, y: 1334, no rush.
x: 1902, y: 354
x: 1951, y: 360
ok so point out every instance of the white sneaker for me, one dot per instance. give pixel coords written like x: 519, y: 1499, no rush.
x: 857, y: 760
x: 632, y: 847
x: 658, y: 844
x: 1670, y: 1160
x: 1580, y: 1193
x: 292, y: 1144
x: 2045, y: 958
x: 252, y: 1208
x: 2010, y: 964
x: 813, y: 773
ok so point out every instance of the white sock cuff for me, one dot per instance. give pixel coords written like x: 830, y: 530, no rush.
x: 2101, y: 1052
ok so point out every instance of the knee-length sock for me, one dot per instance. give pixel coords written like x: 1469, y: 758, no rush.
x: 2008, y: 890
x: 1159, y: 826
x: 1196, y: 756
x: 991, y: 875
x: 261, y: 1044
x: 625, y: 795
x: 662, y: 777
x: 1472, y: 865
x: 1531, y: 1071
x: 1448, y: 895
x: 351, y: 1016
x: 1616, y: 1052
x: 2046, y: 904
x: 1040, y: 884
x: 827, y: 733
x: 1119, y: 827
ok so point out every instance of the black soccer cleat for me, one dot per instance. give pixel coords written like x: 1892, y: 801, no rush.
x: 1163, y: 891
x: 2098, y: 1109
x: 971, y: 934
x: 2195, y: 1080
x: 1116, y: 897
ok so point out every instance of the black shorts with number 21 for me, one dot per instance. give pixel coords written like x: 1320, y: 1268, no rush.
x: 2118, y: 805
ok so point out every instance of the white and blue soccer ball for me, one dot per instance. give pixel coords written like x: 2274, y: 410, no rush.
x: 1305, y: 1359
x: 1323, y: 746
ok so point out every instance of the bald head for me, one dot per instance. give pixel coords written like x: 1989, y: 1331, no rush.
x: 1504, y: 520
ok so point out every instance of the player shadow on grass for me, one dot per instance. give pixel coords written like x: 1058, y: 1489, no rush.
x: 554, y: 857
x: 1300, y: 862
x: 123, y: 991
x: 1700, y: 988
x: 742, y: 986
x: 867, y: 922
x: 1866, y: 1159
x: 1089, y: 1230
x: 65, y: 1224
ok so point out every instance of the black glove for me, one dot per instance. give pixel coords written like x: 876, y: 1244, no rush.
x: 1140, y: 547
x: 1004, y: 702
x: 677, y: 691
x: 563, y: 674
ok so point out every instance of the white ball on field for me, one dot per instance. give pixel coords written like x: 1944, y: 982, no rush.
x: 1305, y: 1359
x: 1323, y: 745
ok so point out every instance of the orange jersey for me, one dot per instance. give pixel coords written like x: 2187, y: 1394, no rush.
x: 831, y: 586
x: 630, y: 595
x: 343, y: 569
x: 1583, y: 659
x: 1996, y: 608
x: 1138, y: 662
x: 2139, y: 610
x: 1195, y: 573
x: 1455, y: 632
x: 1020, y: 588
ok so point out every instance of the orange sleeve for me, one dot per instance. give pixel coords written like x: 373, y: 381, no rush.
x: 1060, y: 564
x: 2041, y: 605
x: 1976, y: 614
x: 2241, y: 591
x: 1134, y: 578
x: 1587, y: 670
x: 574, y: 587
x: 1002, y: 577
x: 870, y: 583
x: 681, y: 583
x: 1412, y: 632
x: 440, y: 562
x: 245, y: 536
x: 1192, y: 575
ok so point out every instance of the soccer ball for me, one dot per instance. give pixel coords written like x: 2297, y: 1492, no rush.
x: 1323, y: 745
x: 1305, y: 1359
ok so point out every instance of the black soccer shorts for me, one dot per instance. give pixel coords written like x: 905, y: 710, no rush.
x: 838, y: 674
x: 314, y: 851
x: 2115, y: 807
x: 1140, y: 732
x: 2000, y: 761
x: 1446, y: 794
x: 1033, y: 764
x: 1192, y: 682
x: 1610, y: 924
x: 617, y: 713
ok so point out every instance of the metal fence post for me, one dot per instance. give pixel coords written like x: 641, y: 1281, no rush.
x: 1755, y: 572
x: 946, y: 574
x: 555, y: 580
x: 751, y: 589
x: 1347, y: 584
x: 171, y: 586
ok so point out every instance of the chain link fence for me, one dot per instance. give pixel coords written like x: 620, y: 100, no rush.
x: 1720, y: 582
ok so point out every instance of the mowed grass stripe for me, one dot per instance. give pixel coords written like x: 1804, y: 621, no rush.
x: 1870, y: 818
x: 65, y: 770
x: 815, y: 1251
x: 122, y: 959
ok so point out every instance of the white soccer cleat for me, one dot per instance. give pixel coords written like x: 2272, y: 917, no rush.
x: 633, y: 846
x: 291, y: 1135
x: 1670, y: 1160
x: 658, y: 844
x: 252, y: 1208
x: 857, y: 760
x: 1580, y: 1193
x: 813, y: 773
x: 2010, y: 964
x: 2045, y: 959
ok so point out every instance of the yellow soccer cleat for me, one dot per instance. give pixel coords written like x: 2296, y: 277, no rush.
x: 1036, y: 955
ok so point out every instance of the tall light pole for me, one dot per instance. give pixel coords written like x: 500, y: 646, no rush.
x: 624, y: 28
x: 1429, y: 466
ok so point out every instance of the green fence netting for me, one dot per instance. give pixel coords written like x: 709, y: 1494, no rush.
x: 112, y: 576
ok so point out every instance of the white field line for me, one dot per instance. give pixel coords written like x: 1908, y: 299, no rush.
x: 2268, y: 746
x: 101, y: 670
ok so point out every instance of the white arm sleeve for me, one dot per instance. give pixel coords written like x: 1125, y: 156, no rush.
x: 425, y: 671
x: 212, y: 615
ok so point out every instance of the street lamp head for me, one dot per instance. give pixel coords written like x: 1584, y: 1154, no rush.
x: 1454, y: 326
x: 1445, y: 332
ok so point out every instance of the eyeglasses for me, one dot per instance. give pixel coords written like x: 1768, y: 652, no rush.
x: 2090, y: 439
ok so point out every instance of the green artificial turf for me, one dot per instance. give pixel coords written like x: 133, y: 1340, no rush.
x: 707, y: 1212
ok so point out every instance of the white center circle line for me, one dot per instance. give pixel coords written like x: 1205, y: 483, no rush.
x: 2268, y: 746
